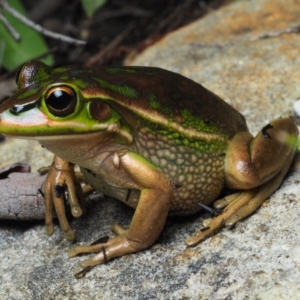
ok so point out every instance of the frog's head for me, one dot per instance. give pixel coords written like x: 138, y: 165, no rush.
x: 57, y: 103
x: 115, y: 102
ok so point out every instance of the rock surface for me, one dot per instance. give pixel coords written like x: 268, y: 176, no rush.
x: 247, y: 54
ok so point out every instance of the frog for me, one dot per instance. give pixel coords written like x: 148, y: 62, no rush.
x: 158, y: 141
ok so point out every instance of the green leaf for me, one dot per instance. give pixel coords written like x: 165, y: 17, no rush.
x: 30, y: 46
x: 90, y: 6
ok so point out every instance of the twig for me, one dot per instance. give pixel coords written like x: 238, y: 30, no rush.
x: 265, y: 35
x: 294, y: 29
x: 38, y: 27
x: 9, y: 27
x: 125, y: 10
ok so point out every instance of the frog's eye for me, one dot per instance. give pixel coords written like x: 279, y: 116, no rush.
x: 61, y: 101
x: 99, y: 110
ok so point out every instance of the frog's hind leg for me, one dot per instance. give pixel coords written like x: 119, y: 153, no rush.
x: 240, y: 205
x: 148, y: 219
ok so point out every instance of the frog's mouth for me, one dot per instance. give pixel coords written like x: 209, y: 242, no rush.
x: 35, y: 125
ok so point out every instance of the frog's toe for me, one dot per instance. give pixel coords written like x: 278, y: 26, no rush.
x: 205, y: 232
x: 49, y: 228
x: 93, y: 248
x: 69, y: 235
x: 80, y: 271
x: 88, y: 264
x: 251, y: 206
x: 117, y: 228
x: 114, y: 247
x: 221, y: 203
x: 237, y: 208
x: 97, y: 245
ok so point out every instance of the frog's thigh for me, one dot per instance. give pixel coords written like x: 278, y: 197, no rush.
x: 264, y: 162
x: 148, y: 220
x: 250, y: 162
x: 154, y: 203
x: 264, y: 165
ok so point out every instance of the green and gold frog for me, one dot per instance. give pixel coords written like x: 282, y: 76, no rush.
x: 155, y: 140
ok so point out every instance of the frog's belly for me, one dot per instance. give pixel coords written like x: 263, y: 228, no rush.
x: 128, y: 196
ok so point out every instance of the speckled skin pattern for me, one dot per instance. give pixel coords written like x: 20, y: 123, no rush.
x: 196, y: 176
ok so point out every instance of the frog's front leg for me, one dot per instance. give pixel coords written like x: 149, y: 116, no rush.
x: 60, y: 176
x: 148, y: 220
x: 257, y: 165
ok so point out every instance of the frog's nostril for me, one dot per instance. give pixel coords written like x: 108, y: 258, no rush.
x: 16, y: 109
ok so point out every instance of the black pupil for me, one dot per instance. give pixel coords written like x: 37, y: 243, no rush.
x: 59, y: 100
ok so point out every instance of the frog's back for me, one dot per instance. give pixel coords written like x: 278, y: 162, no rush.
x: 161, y: 96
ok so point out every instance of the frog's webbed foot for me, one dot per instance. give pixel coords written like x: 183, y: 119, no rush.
x: 106, y: 249
x: 238, y: 206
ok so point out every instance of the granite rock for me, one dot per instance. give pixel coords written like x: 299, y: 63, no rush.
x: 247, y: 53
